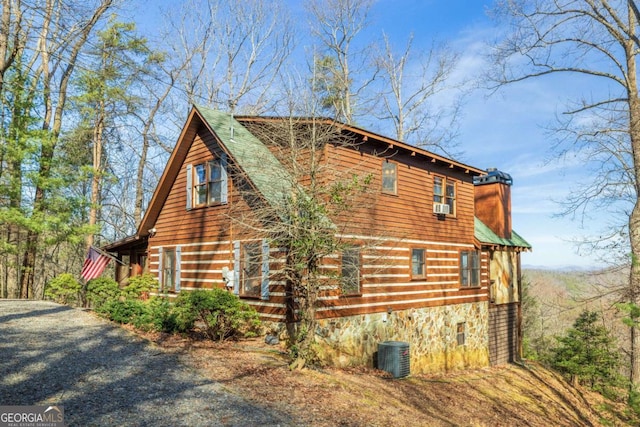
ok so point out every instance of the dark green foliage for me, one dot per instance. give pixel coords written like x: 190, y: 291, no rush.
x: 135, y: 312
x: 139, y: 286
x: 101, y: 290
x: 165, y: 316
x: 221, y: 314
x: 588, y: 354
x: 64, y: 289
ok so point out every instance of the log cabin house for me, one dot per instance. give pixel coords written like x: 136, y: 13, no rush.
x: 432, y: 261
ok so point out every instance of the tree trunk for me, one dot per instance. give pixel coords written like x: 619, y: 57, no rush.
x: 97, y: 173
x: 51, y: 132
x: 634, y: 218
x: 137, y: 212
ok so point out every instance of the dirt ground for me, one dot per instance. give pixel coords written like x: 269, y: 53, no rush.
x: 523, y: 395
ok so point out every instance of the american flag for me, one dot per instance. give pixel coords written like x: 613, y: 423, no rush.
x: 94, y: 264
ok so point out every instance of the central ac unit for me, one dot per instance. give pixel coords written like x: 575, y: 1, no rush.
x: 441, y: 209
x: 394, y: 357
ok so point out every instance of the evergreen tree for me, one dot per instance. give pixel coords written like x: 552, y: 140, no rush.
x: 588, y: 354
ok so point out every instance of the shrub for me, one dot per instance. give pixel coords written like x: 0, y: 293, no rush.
x: 139, y: 285
x: 64, y: 289
x: 164, y: 315
x: 101, y: 290
x: 135, y: 312
x: 221, y: 314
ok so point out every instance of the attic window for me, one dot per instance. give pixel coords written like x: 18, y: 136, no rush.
x: 207, y: 183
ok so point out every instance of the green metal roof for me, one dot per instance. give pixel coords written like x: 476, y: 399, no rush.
x: 262, y: 168
x: 485, y: 235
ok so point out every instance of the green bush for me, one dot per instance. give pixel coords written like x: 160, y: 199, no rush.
x: 64, y: 289
x: 132, y: 311
x: 221, y: 314
x: 139, y: 285
x: 165, y: 317
x: 101, y: 290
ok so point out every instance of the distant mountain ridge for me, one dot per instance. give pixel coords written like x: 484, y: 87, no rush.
x: 561, y: 268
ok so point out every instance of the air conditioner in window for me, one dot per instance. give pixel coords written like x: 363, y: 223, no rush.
x: 441, y: 209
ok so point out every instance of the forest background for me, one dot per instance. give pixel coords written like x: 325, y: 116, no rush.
x: 91, y: 105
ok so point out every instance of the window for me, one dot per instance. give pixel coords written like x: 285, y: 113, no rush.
x: 389, y: 177
x: 444, y: 191
x: 207, y: 183
x: 251, y: 269
x: 470, y: 268
x: 351, y: 271
x: 460, y: 333
x: 168, y: 270
x: 417, y: 263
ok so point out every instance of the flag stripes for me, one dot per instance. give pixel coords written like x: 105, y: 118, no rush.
x: 94, y: 264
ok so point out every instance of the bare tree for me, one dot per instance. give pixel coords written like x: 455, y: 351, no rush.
x: 12, y: 35
x: 411, y: 86
x: 597, y: 39
x: 235, y: 51
x: 343, y: 69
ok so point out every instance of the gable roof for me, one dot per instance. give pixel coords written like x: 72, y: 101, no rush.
x: 389, y: 143
x: 259, y: 164
x: 486, y: 236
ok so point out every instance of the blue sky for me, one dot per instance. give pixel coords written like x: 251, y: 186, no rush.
x: 505, y: 130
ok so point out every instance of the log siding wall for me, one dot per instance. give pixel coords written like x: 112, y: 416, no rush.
x: 385, y: 277
x: 394, y: 225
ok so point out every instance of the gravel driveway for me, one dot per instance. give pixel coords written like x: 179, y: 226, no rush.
x: 103, y: 375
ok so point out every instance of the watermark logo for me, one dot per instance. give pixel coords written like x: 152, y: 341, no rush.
x: 32, y: 416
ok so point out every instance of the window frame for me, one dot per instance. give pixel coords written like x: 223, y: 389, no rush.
x: 461, y: 334
x: 350, y: 269
x: 469, y: 269
x: 385, y: 190
x: 256, y: 275
x: 168, y: 254
x: 422, y: 263
x: 444, y: 197
x: 203, y: 179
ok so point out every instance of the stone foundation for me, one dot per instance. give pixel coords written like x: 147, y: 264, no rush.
x: 432, y: 334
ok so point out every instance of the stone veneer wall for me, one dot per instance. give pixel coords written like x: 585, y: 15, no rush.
x: 430, y: 332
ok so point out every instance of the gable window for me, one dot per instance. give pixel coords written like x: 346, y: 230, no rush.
x: 470, y: 268
x: 251, y: 269
x: 389, y: 177
x: 207, y: 183
x: 350, y: 271
x: 444, y: 191
x: 417, y: 263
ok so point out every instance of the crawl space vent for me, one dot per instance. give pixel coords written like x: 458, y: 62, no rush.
x: 393, y: 357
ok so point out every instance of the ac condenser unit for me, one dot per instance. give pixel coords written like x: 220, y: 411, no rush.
x: 441, y: 209
x: 394, y: 357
